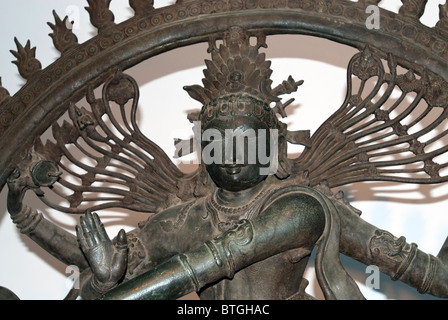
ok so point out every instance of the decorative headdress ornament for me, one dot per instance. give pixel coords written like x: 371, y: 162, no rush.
x: 237, y: 82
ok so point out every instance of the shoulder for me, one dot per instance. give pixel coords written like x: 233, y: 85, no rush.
x: 295, y: 197
x: 296, y: 201
x: 304, y: 203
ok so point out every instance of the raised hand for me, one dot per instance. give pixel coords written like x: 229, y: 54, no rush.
x: 32, y: 173
x: 107, y: 261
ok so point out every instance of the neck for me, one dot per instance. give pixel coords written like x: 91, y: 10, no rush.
x: 238, y: 197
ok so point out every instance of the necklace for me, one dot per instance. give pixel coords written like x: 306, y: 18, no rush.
x: 226, y: 217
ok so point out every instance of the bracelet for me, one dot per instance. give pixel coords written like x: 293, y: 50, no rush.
x: 429, y: 276
x: 405, y: 264
x: 27, y: 219
x: 100, y: 287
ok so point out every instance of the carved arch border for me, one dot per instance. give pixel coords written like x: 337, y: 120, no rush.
x: 47, y: 93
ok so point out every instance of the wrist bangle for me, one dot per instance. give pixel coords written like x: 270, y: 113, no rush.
x: 100, y: 287
x: 27, y: 219
x: 429, y: 276
x: 405, y: 264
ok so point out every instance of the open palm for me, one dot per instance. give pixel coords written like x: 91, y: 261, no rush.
x: 107, y: 261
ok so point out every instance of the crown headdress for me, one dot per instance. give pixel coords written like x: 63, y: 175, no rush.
x: 237, y: 81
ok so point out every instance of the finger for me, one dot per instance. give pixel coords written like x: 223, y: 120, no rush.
x: 122, y: 243
x: 86, y: 229
x: 99, y: 226
x: 120, y: 259
x: 81, y: 239
x: 93, y: 227
x: 89, y: 221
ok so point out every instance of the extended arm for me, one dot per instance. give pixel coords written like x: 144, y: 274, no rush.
x: 280, y: 228
x: 393, y: 256
x: 58, y: 242
x: 296, y: 221
x: 92, y: 247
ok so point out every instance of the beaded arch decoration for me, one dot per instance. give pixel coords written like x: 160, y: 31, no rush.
x: 347, y: 148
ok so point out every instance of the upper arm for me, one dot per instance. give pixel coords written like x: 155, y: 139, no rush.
x: 308, y: 215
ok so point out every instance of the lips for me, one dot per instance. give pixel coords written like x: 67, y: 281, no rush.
x: 232, y: 170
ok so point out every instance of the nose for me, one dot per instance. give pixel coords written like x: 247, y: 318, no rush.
x: 235, y: 153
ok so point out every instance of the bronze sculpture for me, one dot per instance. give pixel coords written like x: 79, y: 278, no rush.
x: 397, y: 258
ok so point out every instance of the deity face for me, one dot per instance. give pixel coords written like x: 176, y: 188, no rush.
x: 235, y: 150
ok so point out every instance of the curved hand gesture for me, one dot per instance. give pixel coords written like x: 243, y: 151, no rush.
x: 108, y: 262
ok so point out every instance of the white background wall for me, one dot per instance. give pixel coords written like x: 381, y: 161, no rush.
x: 416, y: 212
